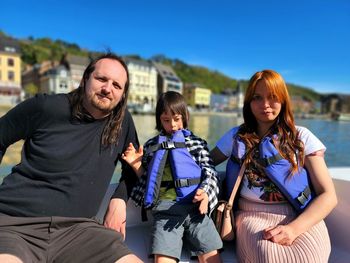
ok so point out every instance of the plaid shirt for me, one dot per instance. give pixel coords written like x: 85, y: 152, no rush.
x: 198, y: 149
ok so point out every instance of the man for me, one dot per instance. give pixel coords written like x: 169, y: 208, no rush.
x: 72, y: 144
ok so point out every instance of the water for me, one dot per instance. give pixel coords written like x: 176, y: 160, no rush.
x: 208, y: 127
x: 335, y: 135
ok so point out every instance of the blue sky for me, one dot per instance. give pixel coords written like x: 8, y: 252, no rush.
x: 307, y: 41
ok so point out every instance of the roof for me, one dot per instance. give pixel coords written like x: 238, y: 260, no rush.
x: 9, y: 45
x: 75, y: 60
x: 166, y: 71
x: 137, y: 61
x: 56, y: 70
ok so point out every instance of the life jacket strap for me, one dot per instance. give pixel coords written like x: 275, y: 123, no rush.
x: 270, y: 160
x: 180, y: 182
x: 186, y: 182
x: 166, y: 145
x: 304, y: 195
x: 235, y: 159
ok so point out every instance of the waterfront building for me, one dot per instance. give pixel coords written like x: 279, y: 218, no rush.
x: 143, y: 84
x: 335, y: 103
x: 76, y: 66
x: 56, y: 76
x: 219, y: 102
x: 228, y: 100
x: 302, y: 105
x: 56, y: 80
x: 10, y: 71
x: 167, y: 79
x: 32, y: 73
x: 196, y: 96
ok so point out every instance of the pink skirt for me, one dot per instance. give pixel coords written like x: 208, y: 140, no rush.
x: 252, y: 218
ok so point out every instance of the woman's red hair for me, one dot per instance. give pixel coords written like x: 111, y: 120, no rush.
x: 284, y: 126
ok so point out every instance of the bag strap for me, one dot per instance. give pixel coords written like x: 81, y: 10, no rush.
x: 236, y: 186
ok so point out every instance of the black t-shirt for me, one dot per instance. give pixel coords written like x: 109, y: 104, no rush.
x: 64, y: 168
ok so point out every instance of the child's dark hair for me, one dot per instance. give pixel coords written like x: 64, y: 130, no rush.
x: 174, y: 103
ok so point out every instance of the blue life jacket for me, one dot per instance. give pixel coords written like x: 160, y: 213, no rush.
x: 185, y: 171
x: 234, y: 164
x: 296, y: 188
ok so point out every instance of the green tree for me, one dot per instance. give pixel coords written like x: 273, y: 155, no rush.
x: 31, y: 89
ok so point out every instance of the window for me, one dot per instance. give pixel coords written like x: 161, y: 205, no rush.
x: 63, y: 74
x: 10, y: 49
x: 10, y: 62
x: 11, y: 75
x: 63, y: 85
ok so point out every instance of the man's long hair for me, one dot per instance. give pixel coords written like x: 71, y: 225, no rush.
x: 113, y: 126
x: 284, y: 126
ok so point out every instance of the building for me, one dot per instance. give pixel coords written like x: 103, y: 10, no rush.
x: 167, y: 79
x: 234, y: 98
x: 196, y: 96
x: 143, y: 84
x: 31, y: 74
x: 219, y: 102
x: 301, y: 105
x: 335, y: 103
x: 56, y: 76
x: 76, y: 65
x: 56, y: 80
x: 10, y: 71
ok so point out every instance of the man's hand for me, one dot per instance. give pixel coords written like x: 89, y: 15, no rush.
x: 203, y: 198
x: 116, y: 215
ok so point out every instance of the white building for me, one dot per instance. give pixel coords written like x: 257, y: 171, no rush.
x: 167, y: 79
x: 143, y: 84
x: 56, y: 80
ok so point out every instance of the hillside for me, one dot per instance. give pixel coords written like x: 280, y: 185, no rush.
x: 41, y: 49
x: 219, y: 82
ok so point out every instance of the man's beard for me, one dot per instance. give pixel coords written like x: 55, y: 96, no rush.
x: 103, y: 105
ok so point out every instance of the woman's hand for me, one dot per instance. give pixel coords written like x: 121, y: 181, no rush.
x: 317, y: 210
x: 281, y: 234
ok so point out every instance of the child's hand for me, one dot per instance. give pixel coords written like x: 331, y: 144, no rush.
x: 132, y: 156
x: 203, y: 198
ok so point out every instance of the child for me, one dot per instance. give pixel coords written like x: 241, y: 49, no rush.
x: 178, y: 181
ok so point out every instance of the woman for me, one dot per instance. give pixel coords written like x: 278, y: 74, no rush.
x: 268, y: 227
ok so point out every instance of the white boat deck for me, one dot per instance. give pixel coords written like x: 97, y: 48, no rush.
x: 138, y: 233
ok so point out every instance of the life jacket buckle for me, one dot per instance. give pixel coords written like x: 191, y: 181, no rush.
x: 168, y: 145
x: 181, y: 182
x: 302, y: 198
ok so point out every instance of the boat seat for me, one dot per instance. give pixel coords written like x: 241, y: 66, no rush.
x: 138, y: 233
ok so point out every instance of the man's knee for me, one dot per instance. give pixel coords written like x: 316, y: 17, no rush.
x: 7, y: 258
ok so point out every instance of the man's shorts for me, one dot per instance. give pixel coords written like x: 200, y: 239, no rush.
x: 174, y: 222
x: 59, y: 239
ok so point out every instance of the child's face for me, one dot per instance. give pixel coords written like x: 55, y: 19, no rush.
x: 171, y: 122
